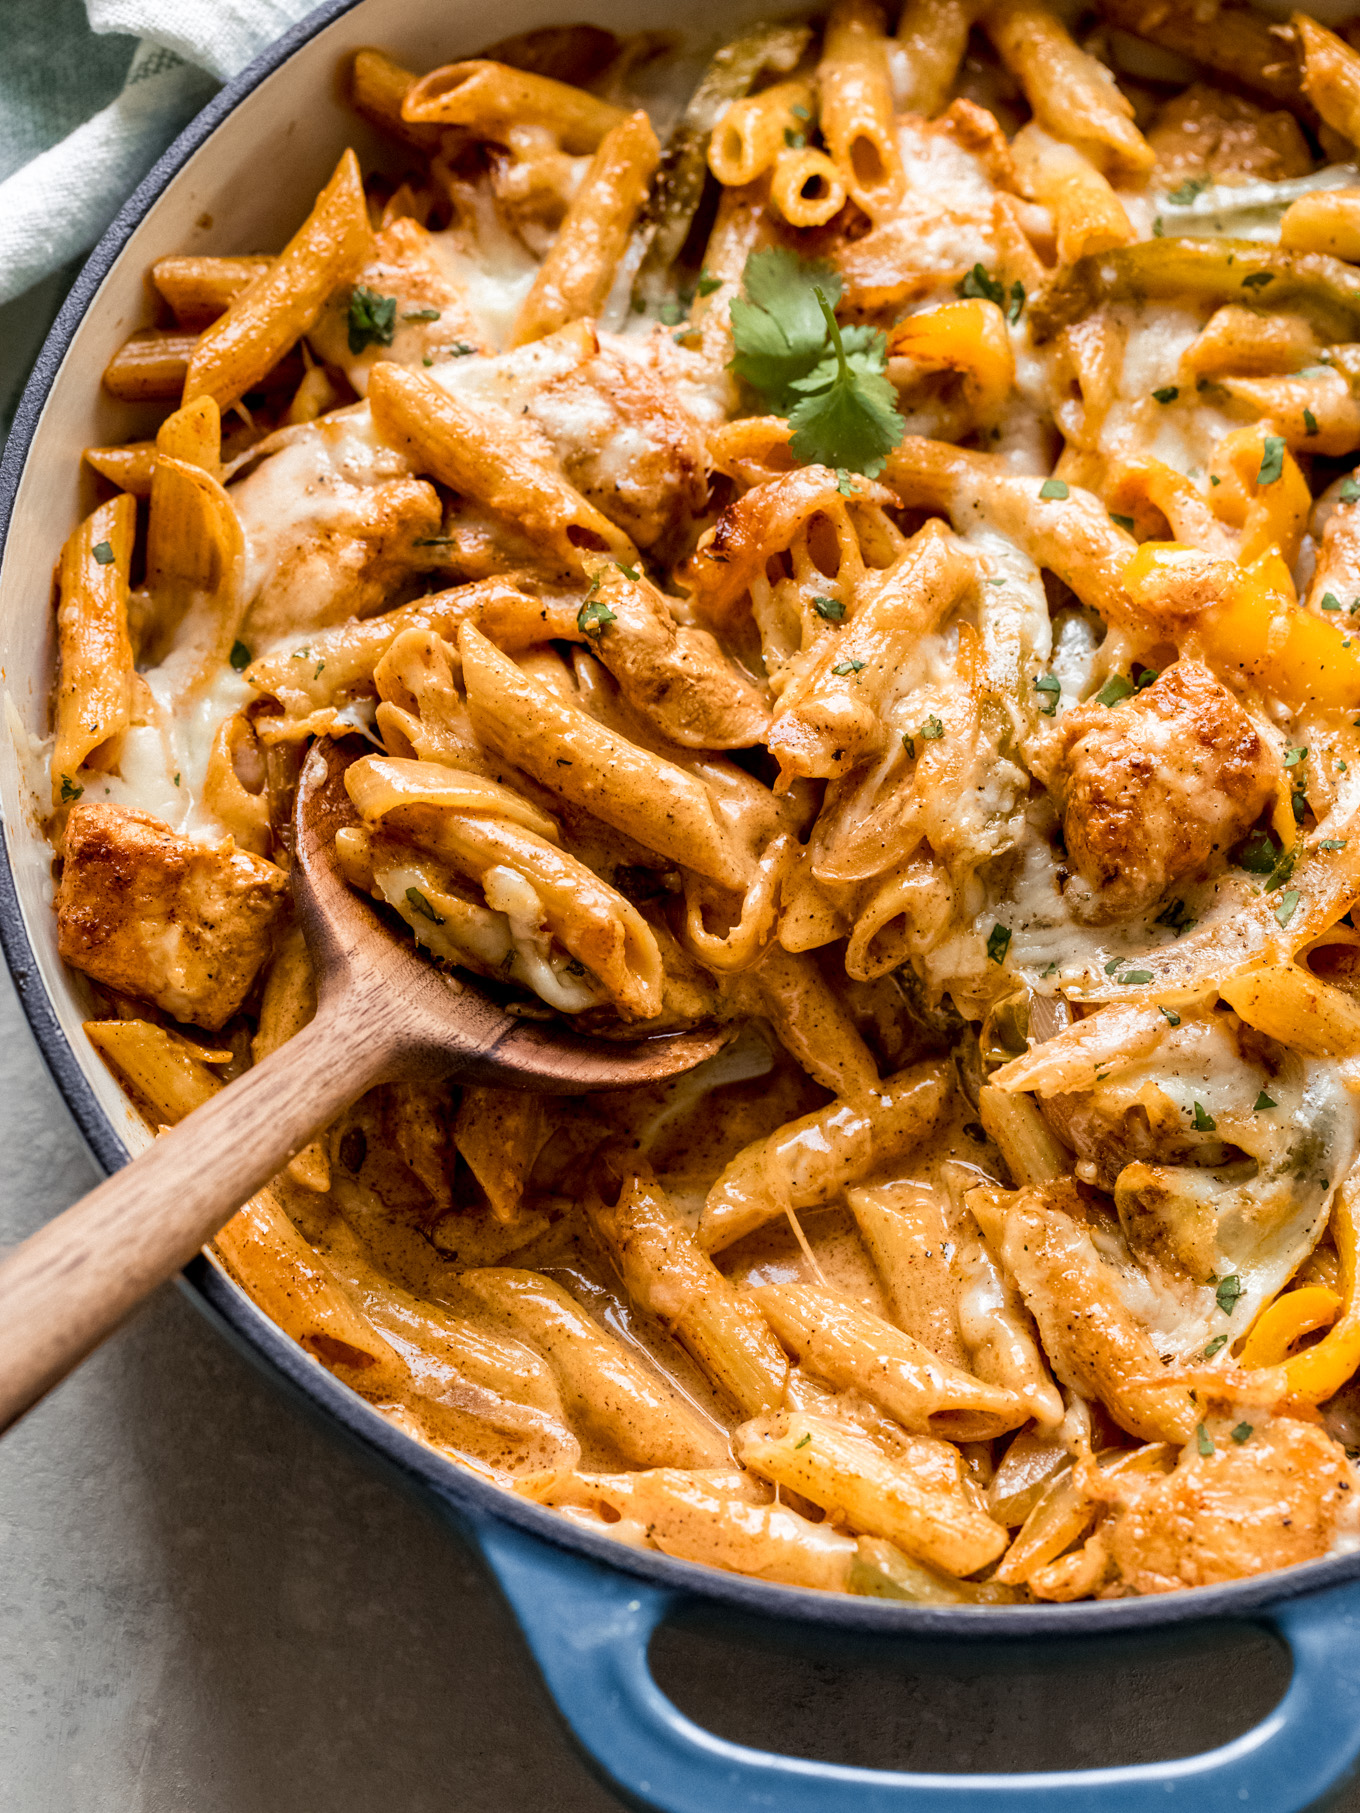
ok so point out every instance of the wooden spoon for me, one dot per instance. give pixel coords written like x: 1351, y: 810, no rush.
x: 383, y: 1013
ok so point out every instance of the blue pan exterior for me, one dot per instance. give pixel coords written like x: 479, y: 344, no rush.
x: 588, y: 1607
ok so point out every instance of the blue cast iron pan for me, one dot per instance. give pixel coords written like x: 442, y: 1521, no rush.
x: 588, y: 1607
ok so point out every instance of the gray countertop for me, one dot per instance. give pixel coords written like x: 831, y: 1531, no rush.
x: 206, y: 1604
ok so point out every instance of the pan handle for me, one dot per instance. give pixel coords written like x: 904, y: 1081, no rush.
x: 588, y: 1627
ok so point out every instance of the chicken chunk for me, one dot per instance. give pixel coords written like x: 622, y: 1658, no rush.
x: 1204, y: 135
x: 154, y: 914
x: 627, y: 444
x: 332, y: 523
x: 431, y: 317
x: 1270, y: 1492
x: 1155, y: 788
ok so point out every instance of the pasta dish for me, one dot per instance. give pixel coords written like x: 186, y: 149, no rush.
x: 850, y: 539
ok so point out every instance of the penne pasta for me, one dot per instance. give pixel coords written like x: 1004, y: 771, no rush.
x: 95, y: 673
x: 856, y: 106
x: 274, y: 311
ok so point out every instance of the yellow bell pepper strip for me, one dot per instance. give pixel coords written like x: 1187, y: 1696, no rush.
x: 1261, y: 491
x: 1320, y: 1371
x: 1250, y: 622
x: 970, y: 338
x: 1287, y: 1320
x: 1206, y: 271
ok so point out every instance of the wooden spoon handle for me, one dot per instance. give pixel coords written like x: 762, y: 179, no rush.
x: 72, y: 1282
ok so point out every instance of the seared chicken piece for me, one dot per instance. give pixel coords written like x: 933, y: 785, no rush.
x: 1270, y: 1493
x: 1155, y: 788
x: 346, y: 550
x: 154, y: 914
x: 430, y: 320
x: 626, y: 443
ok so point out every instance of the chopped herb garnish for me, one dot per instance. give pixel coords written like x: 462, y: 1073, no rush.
x: 1113, y: 965
x: 1272, y: 460
x: 418, y: 903
x: 1015, y: 307
x: 1203, y: 1122
x: 794, y: 140
x: 1167, y: 394
x: 1134, y: 977
x: 832, y: 609
x: 1263, y: 1101
x: 1229, y: 1290
x: 1114, y: 689
x: 1170, y: 1015
x: 1258, y: 854
x: 1309, y: 422
x: 1258, y: 280
x: 671, y: 313
x: 1051, y: 685
x: 1349, y: 492
x: 1146, y: 678
x: 982, y: 287
x: 421, y: 314
x: 1294, y: 755
x: 829, y: 381
x: 593, y: 617
x: 1217, y: 1345
x: 707, y: 284
x: 239, y: 657
x: 1125, y: 522
x: 1285, y: 905
x: 847, y: 667
x: 800, y: 113
x: 1174, y: 916
x: 802, y: 1444
x: 909, y: 744
x: 931, y: 731
x: 372, y: 318
x: 103, y: 553
x: 1330, y: 601
x: 1332, y: 843
x: 1157, y: 228
x: 1204, y: 1441
x: 1053, y: 490
x: 69, y: 792
x: 998, y: 943
x: 1188, y: 190
x: 1241, y: 1432
x: 628, y: 572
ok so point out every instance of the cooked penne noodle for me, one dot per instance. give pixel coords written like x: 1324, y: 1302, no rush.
x: 1331, y: 76
x: 377, y: 88
x: 498, y: 1133
x: 934, y: 36
x: 150, y: 367
x: 903, y: 1226
x: 1088, y: 216
x: 852, y: 1348
x: 574, y: 280
x: 667, y: 1272
x: 1074, y: 97
x: 128, y: 467
x: 753, y: 132
x: 496, y: 464
x: 489, y: 100
x: 95, y: 672
x: 198, y: 290
x: 812, y: 1160
x: 856, y: 106
x: 806, y: 187
x: 918, y: 1499
x: 274, y: 311
x: 601, y: 1382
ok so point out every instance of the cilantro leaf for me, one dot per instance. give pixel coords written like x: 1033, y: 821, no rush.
x: 1217, y: 1345
x: 240, y: 657
x: 1272, y: 459
x: 831, y: 609
x: 829, y: 381
x: 372, y: 318
x: 103, y: 553
x: 1114, y: 689
x: 1350, y: 490
x: 853, y: 423
x: 419, y: 903
x: 998, y: 943
x: 594, y: 617
x: 1188, y: 190
x: 1053, y: 490
x: 778, y: 325
x: 979, y: 286
x: 1229, y: 1290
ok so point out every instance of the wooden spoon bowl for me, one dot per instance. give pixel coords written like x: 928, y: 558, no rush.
x: 383, y: 1012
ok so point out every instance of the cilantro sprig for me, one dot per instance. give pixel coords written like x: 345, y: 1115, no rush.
x: 827, y: 379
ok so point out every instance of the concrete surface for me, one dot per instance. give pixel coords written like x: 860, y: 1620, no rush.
x: 207, y: 1606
